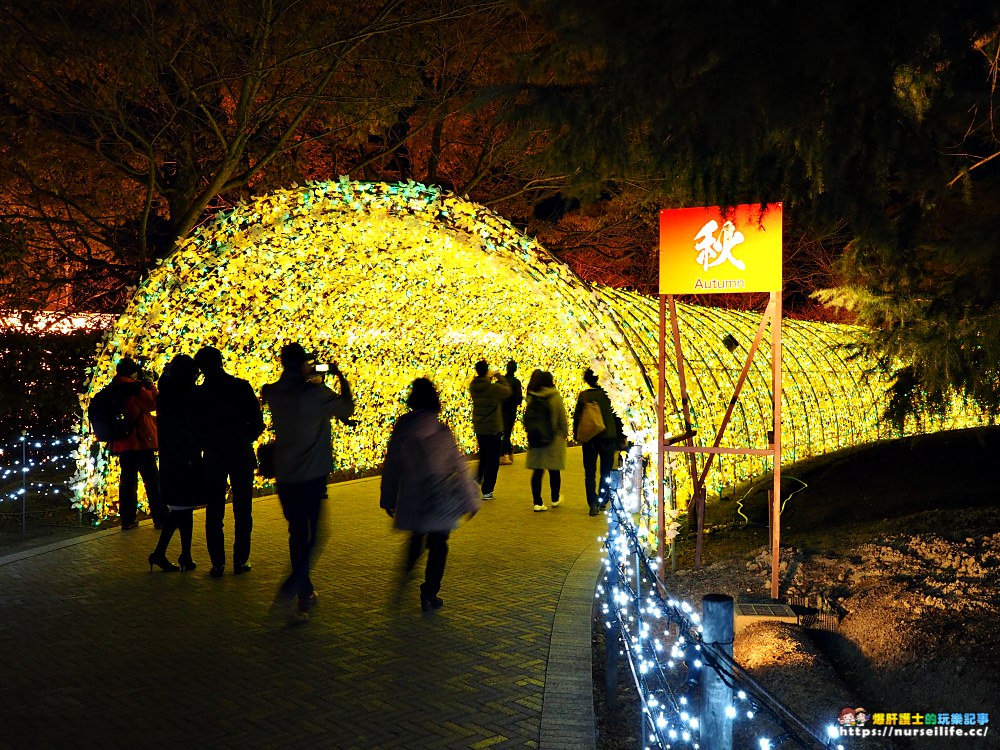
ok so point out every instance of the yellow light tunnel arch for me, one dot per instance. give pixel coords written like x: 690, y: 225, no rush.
x: 397, y: 281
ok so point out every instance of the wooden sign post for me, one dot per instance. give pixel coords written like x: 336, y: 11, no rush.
x: 720, y: 251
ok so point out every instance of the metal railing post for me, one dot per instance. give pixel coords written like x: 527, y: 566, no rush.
x: 24, y: 483
x: 716, y: 695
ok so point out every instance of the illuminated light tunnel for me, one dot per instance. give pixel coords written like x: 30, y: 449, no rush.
x: 398, y: 281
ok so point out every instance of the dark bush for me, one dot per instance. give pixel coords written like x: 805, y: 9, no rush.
x: 41, y: 379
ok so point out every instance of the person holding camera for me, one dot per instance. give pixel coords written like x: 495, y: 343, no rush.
x: 301, y: 408
x: 488, y: 390
x: 137, y: 451
x: 231, y: 420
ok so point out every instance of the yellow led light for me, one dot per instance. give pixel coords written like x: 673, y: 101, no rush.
x: 399, y: 281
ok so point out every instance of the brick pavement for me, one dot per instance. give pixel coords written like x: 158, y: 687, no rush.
x: 95, y: 651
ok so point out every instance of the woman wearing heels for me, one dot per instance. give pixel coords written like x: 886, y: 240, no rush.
x: 180, y: 459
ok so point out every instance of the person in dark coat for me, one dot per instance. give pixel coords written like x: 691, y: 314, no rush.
x: 487, y: 390
x: 301, y: 407
x: 180, y: 459
x: 230, y: 421
x: 137, y: 451
x: 509, y: 408
x: 601, y: 447
x: 422, y: 452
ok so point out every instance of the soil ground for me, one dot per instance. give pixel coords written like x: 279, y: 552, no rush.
x: 900, y: 542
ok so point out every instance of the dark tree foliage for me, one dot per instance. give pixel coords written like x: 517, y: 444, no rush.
x: 872, y: 121
x: 125, y: 124
x: 41, y: 380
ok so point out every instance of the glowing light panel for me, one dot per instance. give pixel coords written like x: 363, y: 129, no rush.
x: 400, y: 281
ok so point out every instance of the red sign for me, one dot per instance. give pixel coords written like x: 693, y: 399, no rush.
x: 717, y: 251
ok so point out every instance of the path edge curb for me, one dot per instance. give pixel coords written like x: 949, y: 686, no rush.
x: 568, y: 721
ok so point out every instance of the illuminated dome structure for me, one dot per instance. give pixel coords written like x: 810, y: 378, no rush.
x: 400, y: 281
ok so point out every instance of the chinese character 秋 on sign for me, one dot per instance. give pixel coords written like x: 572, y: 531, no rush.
x: 711, y: 250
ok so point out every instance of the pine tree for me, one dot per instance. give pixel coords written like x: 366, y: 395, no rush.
x: 878, y: 118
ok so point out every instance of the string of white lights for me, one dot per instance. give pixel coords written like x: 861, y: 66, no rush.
x: 37, y: 466
x: 660, y: 636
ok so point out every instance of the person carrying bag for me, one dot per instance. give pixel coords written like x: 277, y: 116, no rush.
x: 546, y: 428
x: 593, y: 408
x: 426, y: 488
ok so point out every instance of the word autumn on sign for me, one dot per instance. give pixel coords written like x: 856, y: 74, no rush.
x: 715, y: 250
x: 726, y: 285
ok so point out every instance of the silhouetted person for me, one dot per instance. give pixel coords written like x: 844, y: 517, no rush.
x: 544, y: 402
x: 487, y: 390
x: 137, y: 451
x: 230, y: 422
x: 508, y: 408
x: 601, y: 447
x: 425, y: 486
x: 301, y: 409
x: 180, y: 459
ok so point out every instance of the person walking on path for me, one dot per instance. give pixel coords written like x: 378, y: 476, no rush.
x: 180, y: 459
x: 509, y: 409
x: 547, y: 430
x: 426, y: 487
x: 601, y: 447
x: 488, y: 389
x: 301, y: 409
x: 137, y: 451
x: 230, y: 422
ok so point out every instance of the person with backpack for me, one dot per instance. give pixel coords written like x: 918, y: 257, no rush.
x: 509, y: 409
x: 547, y: 430
x: 231, y: 420
x: 596, y: 428
x: 136, y: 451
x: 487, y: 390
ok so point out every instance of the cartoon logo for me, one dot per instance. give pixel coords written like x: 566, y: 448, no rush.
x: 853, y: 717
x: 846, y: 718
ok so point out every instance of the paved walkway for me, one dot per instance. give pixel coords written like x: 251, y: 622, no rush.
x: 95, y: 651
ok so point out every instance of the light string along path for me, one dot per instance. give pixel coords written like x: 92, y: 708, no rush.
x: 661, y: 639
x: 38, y: 466
x: 660, y: 636
x: 35, y: 468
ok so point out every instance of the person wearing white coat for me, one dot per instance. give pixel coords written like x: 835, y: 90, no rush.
x: 551, y: 457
